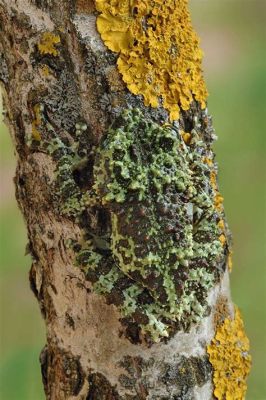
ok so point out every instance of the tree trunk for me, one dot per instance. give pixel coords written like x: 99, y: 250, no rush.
x: 116, y: 180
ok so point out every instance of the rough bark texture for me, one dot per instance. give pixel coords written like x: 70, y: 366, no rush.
x: 119, y: 325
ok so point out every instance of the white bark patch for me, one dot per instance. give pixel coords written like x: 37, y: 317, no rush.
x: 205, y: 392
x: 86, y: 27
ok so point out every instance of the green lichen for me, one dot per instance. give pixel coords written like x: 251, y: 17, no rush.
x: 73, y: 201
x: 106, y: 282
x: 162, y: 252
x: 164, y: 222
x: 143, y: 168
x: 88, y: 258
x: 130, y: 303
x: 126, y: 155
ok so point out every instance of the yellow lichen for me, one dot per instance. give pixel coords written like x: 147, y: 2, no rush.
x: 186, y: 137
x: 228, y: 354
x: 48, y: 42
x: 159, y: 54
x: 221, y: 225
x: 213, y: 179
x: 218, y: 200
x: 222, y: 239
x: 230, y: 261
x: 208, y: 161
x: 46, y: 70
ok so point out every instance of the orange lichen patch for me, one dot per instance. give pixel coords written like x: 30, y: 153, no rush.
x: 186, y: 137
x: 213, y: 179
x: 221, y: 311
x: 208, y: 161
x: 218, y: 202
x: 222, y: 239
x: 36, y: 123
x: 228, y: 354
x: 221, y: 225
x: 48, y: 42
x: 159, y: 54
x: 230, y: 261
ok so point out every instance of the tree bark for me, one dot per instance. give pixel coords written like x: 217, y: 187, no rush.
x: 117, y: 185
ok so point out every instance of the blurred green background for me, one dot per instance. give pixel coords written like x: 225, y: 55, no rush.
x: 232, y: 36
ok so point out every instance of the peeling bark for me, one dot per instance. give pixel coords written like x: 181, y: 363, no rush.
x: 62, y: 92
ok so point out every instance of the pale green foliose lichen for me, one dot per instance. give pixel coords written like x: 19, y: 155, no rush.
x: 163, y: 253
x: 165, y: 235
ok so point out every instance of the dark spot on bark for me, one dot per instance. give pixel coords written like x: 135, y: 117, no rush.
x: 61, y: 372
x: 132, y: 330
x: 20, y: 134
x: 115, y: 297
x: 82, y: 177
x: 44, y: 366
x: 103, y: 220
x: 4, y: 74
x: 145, y: 297
x: 100, y: 388
x: 140, y: 318
x: 41, y: 4
x: 127, y: 381
x: 50, y: 235
x: 70, y: 321
x: 202, y: 369
x: 53, y: 288
x: 32, y: 279
x: 21, y: 180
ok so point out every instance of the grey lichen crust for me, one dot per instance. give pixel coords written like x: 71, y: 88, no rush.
x: 162, y: 252
x: 174, y: 380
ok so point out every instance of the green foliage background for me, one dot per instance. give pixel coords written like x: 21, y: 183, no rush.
x: 233, y: 35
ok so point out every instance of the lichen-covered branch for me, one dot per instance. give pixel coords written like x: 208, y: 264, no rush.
x: 117, y: 182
